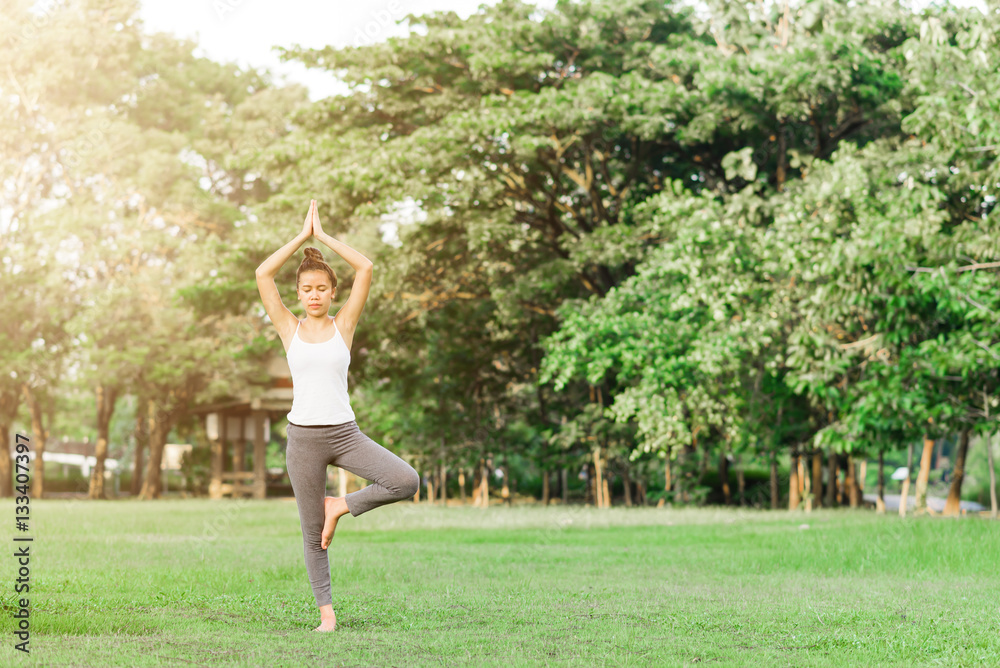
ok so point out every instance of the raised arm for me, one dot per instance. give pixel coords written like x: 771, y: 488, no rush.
x: 363, y: 268
x: 282, y: 319
x: 271, y: 266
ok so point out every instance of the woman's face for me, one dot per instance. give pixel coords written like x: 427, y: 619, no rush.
x: 315, y: 292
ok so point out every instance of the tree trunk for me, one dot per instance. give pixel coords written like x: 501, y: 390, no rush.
x: 598, y: 476
x: 793, y: 481
x: 591, y: 485
x: 817, y: 478
x: 8, y: 413
x: 563, y: 484
x: 924, y: 475
x: 684, y: 478
x: 806, y: 480
x: 505, y: 490
x: 141, y: 442
x: 545, y: 487
x: 741, y: 483
x: 443, y: 477
x: 461, y: 483
x: 702, y: 463
x: 627, y: 482
x: 605, y: 483
x: 801, y: 468
x: 38, y: 430
x: 477, y: 485
x: 953, y: 506
x: 727, y: 496
x: 484, y: 483
x: 993, y: 477
x: 841, y: 487
x: 430, y: 487
x: 443, y: 481
x: 774, y: 481
x: 158, y: 429
x: 831, y: 483
x: 6, y: 463
x: 851, y: 483
x: 880, y: 501
x: 105, y: 399
x: 666, y: 475
x: 903, y: 494
x: 989, y: 458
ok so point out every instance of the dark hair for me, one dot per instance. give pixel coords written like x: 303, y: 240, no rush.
x: 314, y: 261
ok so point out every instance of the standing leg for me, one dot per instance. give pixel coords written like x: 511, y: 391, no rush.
x: 305, y: 459
x: 392, y: 478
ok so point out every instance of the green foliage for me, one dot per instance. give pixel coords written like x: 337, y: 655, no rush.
x: 639, y: 229
x: 813, y: 290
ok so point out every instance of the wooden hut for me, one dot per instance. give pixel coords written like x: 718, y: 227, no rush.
x: 237, y: 424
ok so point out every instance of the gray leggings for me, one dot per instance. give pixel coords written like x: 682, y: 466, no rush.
x: 310, y: 450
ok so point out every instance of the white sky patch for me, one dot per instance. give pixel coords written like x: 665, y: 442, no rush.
x: 244, y: 31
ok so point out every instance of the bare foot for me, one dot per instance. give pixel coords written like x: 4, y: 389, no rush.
x: 327, y: 623
x: 334, y: 507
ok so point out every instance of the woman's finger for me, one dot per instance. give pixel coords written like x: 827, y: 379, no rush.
x: 307, y: 224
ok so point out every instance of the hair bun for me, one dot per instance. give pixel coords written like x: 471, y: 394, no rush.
x: 313, y: 254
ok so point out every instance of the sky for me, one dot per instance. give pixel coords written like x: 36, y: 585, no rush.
x: 246, y: 30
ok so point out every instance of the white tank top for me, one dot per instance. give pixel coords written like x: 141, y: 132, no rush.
x: 319, y: 380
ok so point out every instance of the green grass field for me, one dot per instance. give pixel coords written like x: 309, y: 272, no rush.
x: 209, y: 583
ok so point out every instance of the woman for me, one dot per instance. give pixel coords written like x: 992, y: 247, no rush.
x: 321, y: 424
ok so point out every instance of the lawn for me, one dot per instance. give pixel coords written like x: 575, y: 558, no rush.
x: 198, y: 582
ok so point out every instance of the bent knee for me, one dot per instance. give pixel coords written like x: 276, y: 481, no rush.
x: 409, y: 483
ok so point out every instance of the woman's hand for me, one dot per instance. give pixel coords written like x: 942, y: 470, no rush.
x: 353, y: 257
x: 307, y: 225
x: 317, y: 229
